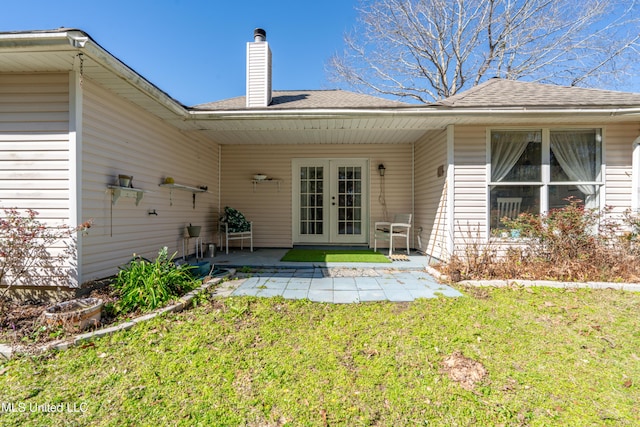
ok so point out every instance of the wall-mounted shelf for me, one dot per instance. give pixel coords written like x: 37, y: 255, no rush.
x: 184, y: 188
x: 117, y: 192
x: 181, y: 187
x: 263, y: 181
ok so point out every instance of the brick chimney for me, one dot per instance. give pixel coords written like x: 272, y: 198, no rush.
x: 258, y: 70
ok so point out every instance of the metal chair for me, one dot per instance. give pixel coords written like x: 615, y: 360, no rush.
x: 386, y: 231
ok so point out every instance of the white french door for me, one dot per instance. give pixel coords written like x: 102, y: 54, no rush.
x: 330, y: 201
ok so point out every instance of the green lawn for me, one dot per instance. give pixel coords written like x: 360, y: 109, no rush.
x: 553, y: 358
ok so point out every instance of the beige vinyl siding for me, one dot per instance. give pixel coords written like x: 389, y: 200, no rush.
x: 618, y: 155
x: 258, y: 74
x: 271, y: 210
x: 34, y: 144
x: 120, y: 138
x: 430, y: 194
x: 470, y: 177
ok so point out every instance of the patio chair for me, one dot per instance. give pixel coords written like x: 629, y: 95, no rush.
x: 386, y: 231
x: 508, y: 207
x: 234, y: 226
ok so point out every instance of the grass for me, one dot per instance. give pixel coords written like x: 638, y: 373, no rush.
x: 553, y: 357
x: 334, y: 255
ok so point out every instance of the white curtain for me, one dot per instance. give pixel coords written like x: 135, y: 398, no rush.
x: 506, y: 149
x: 572, y: 150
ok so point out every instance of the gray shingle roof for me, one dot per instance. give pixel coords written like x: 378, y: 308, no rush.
x: 494, y: 93
x: 306, y: 99
x: 512, y: 93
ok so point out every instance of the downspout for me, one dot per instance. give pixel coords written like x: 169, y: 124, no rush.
x: 75, y: 168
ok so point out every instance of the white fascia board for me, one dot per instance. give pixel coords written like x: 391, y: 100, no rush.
x: 113, y: 64
x: 416, y: 111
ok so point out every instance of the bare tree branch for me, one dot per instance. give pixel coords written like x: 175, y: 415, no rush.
x: 426, y: 50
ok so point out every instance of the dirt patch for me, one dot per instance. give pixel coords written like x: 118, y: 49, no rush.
x: 24, y: 326
x: 23, y: 323
x: 463, y: 370
x: 477, y: 292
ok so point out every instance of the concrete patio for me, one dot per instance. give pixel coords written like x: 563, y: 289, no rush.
x: 402, y: 280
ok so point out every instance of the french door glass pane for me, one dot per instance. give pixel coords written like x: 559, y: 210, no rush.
x: 311, y: 200
x: 349, y: 200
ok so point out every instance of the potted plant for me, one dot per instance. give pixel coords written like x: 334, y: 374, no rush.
x: 194, y: 230
x: 124, y: 180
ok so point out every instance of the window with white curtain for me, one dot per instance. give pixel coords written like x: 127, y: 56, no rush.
x: 540, y: 169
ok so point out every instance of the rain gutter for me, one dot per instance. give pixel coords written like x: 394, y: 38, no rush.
x: 401, y: 112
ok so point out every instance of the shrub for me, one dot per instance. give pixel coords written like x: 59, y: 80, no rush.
x: 571, y: 243
x: 27, y: 253
x: 562, y: 234
x: 145, y: 285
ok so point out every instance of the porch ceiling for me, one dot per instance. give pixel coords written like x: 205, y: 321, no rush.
x: 352, y: 130
x: 405, y: 127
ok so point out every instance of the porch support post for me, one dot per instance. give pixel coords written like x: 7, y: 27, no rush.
x: 635, y: 176
x: 450, y: 191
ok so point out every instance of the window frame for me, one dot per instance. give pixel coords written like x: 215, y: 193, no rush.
x: 545, y: 173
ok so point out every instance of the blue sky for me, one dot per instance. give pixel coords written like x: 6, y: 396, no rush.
x: 195, y: 50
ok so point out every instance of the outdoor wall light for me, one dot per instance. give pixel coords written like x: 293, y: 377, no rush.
x: 381, y: 169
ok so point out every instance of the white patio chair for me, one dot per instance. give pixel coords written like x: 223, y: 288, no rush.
x: 508, y: 207
x: 236, y: 235
x: 226, y: 235
x: 386, y: 231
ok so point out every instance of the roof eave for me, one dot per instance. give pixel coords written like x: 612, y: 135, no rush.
x: 79, y: 41
x: 412, y: 111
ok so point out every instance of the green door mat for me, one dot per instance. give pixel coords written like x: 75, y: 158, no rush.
x: 334, y: 255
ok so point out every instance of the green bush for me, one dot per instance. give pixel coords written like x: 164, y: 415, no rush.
x: 145, y: 285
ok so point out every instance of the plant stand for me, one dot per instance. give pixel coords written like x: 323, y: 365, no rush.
x: 186, y: 243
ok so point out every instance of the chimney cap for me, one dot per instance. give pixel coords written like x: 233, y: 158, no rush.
x: 259, y: 35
